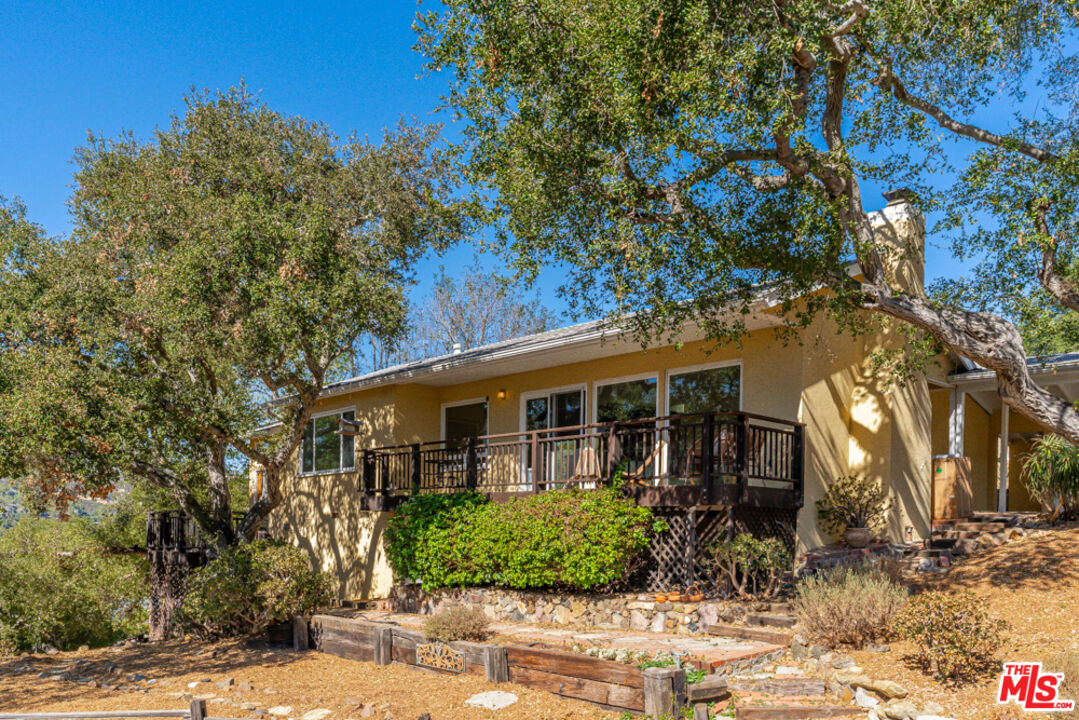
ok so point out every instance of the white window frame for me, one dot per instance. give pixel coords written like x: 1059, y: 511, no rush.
x: 299, y: 455
x: 672, y: 372
x: 628, y: 378
x: 522, y: 420
x: 458, y: 403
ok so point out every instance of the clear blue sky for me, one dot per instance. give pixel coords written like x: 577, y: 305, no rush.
x: 70, y: 67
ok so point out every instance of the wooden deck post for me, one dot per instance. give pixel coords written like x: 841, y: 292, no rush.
x: 198, y: 709
x: 743, y: 460
x: 415, y: 474
x: 708, y: 433
x: 471, y: 464
x: 367, y: 472
x: 664, y: 692
x: 798, y: 463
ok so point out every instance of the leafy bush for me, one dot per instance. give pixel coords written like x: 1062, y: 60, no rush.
x: 853, y: 502
x: 753, y: 566
x: 456, y: 622
x: 249, y: 588
x: 60, y: 586
x: 954, y: 635
x: 566, y: 538
x: 1051, y: 474
x: 850, y: 605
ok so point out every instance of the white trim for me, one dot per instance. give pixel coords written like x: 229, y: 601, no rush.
x: 459, y: 403
x: 671, y: 372
x: 597, y: 384
x: 547, y: 392
x: 1003, y: 459
x: 299, y: 454
x: 957, y: 402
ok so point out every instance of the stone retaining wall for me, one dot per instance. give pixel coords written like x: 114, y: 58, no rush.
x: 610, y: 612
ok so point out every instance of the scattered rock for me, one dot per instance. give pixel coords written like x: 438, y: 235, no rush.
x: 932, y: 717
x: 280, y: 710
x: 136, y: 677
x: 248, y: 705
x: 864, y: 700
x: 84, y: 648
x: 92, y: 684
x: 888, y: 688
x: 245, y: 686
x: 492, y: 700
x: 899, y: 710
x: 367, y: 710
x: 874, y: 648
x: 193, y: 685
x: 932, y: 708
x: 316, y: 714
x: 226, y: 683
x: 799, y: 647
x: 817, y: 651
x: 842, y: 662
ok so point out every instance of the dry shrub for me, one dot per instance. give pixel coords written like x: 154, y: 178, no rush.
x: 851, y: 605
x: 954, y: 635
x: 456, y: 622
x: 1067, y: 663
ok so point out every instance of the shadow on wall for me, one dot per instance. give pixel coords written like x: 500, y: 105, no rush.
x: 324, y: 518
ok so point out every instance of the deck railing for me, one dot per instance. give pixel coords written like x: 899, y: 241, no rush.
x: 736, y: 450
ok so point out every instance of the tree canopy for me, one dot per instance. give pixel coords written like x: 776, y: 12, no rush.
x: 214, y: 274
x: 676, y: 155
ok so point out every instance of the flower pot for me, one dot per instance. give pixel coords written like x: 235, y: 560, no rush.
x: 857, y: 537
x: 661, y: 598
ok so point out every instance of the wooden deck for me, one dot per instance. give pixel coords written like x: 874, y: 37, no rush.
x: 683, y: 461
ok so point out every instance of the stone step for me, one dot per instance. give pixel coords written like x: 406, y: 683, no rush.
x: 711, y: 688
x: 967, y: 534
x: 771, y: 620
x: 796, y: 712
x: 1006, y: 520
x: 957, y: 546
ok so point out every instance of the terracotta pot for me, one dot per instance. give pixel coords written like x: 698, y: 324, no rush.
x: 857, y: 537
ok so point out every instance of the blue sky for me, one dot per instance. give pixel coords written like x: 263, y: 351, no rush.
x: 70, y: 67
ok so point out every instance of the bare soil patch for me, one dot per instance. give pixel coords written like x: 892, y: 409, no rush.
x: 277, y: 677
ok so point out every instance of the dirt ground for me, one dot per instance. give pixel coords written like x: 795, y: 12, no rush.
x: 277, y: 677
x: 1033, y: 584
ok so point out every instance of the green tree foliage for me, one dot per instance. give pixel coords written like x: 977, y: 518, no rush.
x: 61, y: 585
x: 1051, y: 474
x: 250, y: 587
x: 676, y: 156
x: 226, y: 262
x: 567, y: 538
x: 752, y: 567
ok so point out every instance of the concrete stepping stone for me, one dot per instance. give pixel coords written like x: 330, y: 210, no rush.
x: 492, y: 700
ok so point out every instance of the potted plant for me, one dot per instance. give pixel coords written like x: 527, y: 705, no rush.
x: 853, y: 508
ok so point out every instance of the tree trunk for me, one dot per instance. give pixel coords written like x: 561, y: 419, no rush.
x: 220, y: 499
x: 262, y: 506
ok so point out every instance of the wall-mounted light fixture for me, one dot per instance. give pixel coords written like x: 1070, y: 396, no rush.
x: 501, y: 394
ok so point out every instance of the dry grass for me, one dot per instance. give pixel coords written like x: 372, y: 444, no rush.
x: 279, y: 677
x: 1033, y: 584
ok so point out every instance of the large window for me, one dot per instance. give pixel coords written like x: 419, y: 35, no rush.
x: 323, y: 450
x: 716, y: 389
x: 626, y: 400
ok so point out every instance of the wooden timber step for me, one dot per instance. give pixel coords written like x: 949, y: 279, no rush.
x: 772, y: 619
x: 801, y: 687
x: 710, y: 689
x: 959, y: 534
x: 748, y: 633
x: 797, y: 712
x: 980, y: 527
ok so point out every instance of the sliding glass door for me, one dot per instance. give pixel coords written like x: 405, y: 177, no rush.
x: 549, y: 410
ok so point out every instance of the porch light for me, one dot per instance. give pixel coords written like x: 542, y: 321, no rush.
x: 501, y: 394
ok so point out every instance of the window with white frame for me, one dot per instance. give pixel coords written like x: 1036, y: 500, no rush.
x: 705, y: 389
x: 628, y: 399
x: 323, y: 450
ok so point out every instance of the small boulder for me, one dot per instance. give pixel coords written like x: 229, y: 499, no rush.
x: 900, y: 710
x: 932, y: 708
x: 226, y: 683
x: 799, y: 647
x: 818, y: 651
x: 280, y: 710
x: 887, y: 688
x: 84, y: 648
x: 492, y: 700
x: 874, y: 648
x: 864, y: 700
x: 316, y: 714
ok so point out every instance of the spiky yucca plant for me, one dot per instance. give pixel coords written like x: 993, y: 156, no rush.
x: 1051, y: 474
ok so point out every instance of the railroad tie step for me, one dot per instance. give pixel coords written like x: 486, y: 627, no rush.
x: 796, y: 712
x: 800, y: 687
x: 980, y: 527
x: 772, y: 619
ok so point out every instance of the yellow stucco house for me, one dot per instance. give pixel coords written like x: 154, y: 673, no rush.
x: 744, y: 437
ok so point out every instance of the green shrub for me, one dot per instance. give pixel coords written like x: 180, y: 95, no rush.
x: 853, y: 502
x: 567, y: 538
x: 752, y: 566
x: 249, y: 588
x: 954, y: 635
x: 850, y: 605
x: 456, y: 623
x: 60, y: 586
x: 1051, y: 474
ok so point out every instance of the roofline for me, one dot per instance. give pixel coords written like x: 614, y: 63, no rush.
x: 1037, y: 366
